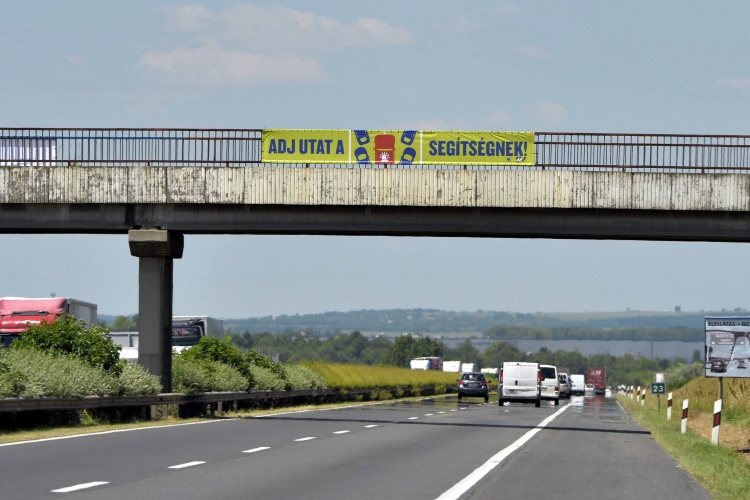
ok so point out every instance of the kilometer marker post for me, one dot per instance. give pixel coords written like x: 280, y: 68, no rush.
x: 669, y: 406
x: 643, y: 396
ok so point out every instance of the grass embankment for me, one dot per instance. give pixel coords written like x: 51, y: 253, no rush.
x: 344, y: 376
x: 723, y: 470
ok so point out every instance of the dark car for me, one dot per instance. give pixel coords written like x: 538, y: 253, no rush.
x: 718, y: 365
x: 474, y: 384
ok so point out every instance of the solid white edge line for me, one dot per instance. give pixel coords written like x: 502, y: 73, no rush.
x: 187, y: 464
x: 82, y: 486
x: 259, y: 448
x: 464, y: 485
x: 305, y: 438
x: 114, y: 432
x: 341, y: 432
x: 413, y: 418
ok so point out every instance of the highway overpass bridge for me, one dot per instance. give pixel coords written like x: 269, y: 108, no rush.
x: 158, y: 185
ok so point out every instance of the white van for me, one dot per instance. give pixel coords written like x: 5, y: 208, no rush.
x: 577, y: 385
x: 550, y: 383
x: 521, y: 383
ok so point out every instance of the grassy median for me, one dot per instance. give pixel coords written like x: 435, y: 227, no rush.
x: 722, y: 470
x: 345, y: 376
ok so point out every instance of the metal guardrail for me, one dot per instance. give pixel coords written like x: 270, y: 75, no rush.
x: 242, y: 147
x: 10, y: 405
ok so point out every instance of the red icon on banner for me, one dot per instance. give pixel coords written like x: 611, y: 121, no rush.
x: 385, y: 148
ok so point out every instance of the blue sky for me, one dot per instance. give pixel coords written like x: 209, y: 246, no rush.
x: 679, y: 67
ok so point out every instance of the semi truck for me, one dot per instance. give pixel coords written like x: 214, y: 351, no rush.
x: 597, y: 376
x: 186, y: 332
x: 17, y: 313
x: 426, y: 363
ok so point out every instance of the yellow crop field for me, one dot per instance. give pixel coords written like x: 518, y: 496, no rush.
x: 345, y: 376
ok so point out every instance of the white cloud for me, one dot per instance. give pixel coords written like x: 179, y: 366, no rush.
x: 212, y: 65
x: 737, y: 83
x: 535, y: 53
x: 496, y: 120
x: 546, y: 114
x: 281, y: 27
x: 78, y: 60
x: 425, y: 124
x: 248, y: 45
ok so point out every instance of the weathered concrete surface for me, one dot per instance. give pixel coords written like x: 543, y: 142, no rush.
x: 375, y: 187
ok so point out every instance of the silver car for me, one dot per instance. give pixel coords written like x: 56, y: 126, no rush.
x: 564, y: 385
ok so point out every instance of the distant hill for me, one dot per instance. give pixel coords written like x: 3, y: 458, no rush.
x: 434, y: 321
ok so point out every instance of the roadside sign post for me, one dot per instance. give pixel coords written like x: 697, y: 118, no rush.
x: 658, y: 388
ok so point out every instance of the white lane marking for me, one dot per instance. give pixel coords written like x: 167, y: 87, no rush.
x: 187, y: 464
x: 462, y: 408
x: 441, y: 412
x: 341, y: 432
x: 318, y: 409
x: 370, y: 426
x: 428, y: 414
x: 308, y: 438
x: 464, y: 485
x: 413, y: 418
x: 453, y: 410
x: 113, y: 432
x: 82, y: 486
x: 259, y: 448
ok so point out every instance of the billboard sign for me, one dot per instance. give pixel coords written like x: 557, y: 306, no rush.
x: 397, y: 147
x: 727, y: 346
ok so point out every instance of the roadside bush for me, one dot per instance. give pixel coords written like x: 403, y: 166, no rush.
x: 681, y: 374
x: 302, y: 377
x: 135, y: 380
x: 266, y: 380
x: 67, y: 335
x: 223, y: 351
x: 33, y: 373
x: 201, y: 375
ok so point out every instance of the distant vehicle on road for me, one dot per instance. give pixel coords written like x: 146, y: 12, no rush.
x: 564, y: 385
x: 590, y: 390
x: 521, y: 383
x: 452, y: 366
x: 473, y: 384
x: 186, y: 332
x: 469, y: 367
x: 550, y: 384
x: 426, y: 363
x: 17, y: 313
x: 577, y: 385
x: 598, y: 377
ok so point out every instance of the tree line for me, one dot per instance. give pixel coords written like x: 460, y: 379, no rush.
x: 357, y: 348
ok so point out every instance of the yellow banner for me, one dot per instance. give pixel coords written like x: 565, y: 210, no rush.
x: 398, y: 147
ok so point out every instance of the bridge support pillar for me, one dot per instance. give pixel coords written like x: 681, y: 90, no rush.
x: 156, y: 249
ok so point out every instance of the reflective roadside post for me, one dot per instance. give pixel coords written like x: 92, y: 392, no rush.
x: 669, y: 407
x: 717, y: 423
x: 684, y: 415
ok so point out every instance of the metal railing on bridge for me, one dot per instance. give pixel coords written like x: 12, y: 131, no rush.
x: 242, y: 147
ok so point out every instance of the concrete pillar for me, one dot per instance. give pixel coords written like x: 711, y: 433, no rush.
x: 155, y: 249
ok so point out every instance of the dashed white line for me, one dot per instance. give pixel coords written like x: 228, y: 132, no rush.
x: 81, y: 486
x: 462, y: 408
x: 259, y: 448
x: 441, y: 412
x: 453, y: 410
x: 341, y: 432
x: 187, y: 464
x: 413, y: 418
x: 308, y: 438
x: 469, y: 481
x: 428, y: 414
x: 370, y: 426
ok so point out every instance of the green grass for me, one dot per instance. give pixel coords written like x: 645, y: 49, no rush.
x: 702, y: 392
x: 346, y: 376
x: 719, y: 469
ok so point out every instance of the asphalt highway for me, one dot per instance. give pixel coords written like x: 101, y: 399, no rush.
x: 429, y: 449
